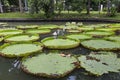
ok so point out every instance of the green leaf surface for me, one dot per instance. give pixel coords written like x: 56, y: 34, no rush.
x: 49, y: 65
x: 100, y: 63
x: 60, y: 43
x: 101, y: 45
x: 79, y: 36
x: 19, y: 49
x: 21, y: 37
x: 38, y: 31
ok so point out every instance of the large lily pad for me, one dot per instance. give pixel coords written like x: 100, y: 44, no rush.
x: 19, y: 49
x: 114, y: 25
x: 74, y: 31
x: 99, y: 33
x: 21, y: 37
x: 9, y: 32
x: 60, y: 43
x: 85, y: 28
x: 79, y: 36
x: 27, y: 26
x: 101, y: 45
x: 49, y: 26
x: 100, y: 63
x: 49, y: 65
x: 114, y: 38
x: 38, y: 31
x: 107, y: 29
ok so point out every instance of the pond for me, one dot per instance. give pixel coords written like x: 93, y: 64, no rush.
x: 10, y: 67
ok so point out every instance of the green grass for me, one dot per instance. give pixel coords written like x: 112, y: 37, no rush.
x: 64, y: 15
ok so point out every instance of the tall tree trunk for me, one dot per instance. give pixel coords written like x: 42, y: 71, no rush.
x: 26, y: 5
x: 88, y: 6
x: 20, y: 6
x: 108, y: 7
x: 1, y: 7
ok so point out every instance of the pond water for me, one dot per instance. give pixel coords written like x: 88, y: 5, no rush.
x: 10, y: 68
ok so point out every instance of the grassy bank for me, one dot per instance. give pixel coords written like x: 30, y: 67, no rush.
x: 63, y: 15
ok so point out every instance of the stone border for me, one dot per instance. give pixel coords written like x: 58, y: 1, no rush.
x: 58, y: 20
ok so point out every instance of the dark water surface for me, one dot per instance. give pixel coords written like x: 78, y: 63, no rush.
x: 10, y: 68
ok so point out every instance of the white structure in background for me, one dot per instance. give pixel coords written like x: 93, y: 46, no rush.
x: 101, y: 7
x: 55, y: 35
x: 26, y: 5
x: 1, y: 7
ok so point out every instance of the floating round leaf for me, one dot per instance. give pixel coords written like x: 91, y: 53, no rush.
x: 114, y: 25
x: 107, y: 29
x: 49, y: 65
x: 19, y: 49
x: 85, y: 28
x: 38, y: 31
x: 60, y: 43
x: 49, y: 26
x: 114, y: 38
x: 9, y: 32
x: 100, y: 63
x: 101, y: 45
x: 21, y: 37
x: 74, y: 31
x: 27, y: 26
x: 99, y: 33
x: 79, y: 36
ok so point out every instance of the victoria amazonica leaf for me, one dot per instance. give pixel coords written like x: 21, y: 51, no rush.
x: 21, y: 37
x: 10, y: 32
x: 101, y: 45
x: 60, y: 43
x: 38, y: 31
x: 79, y: 36
x: 19, y: 49
x: 49, y: 65
x: 100, y: 63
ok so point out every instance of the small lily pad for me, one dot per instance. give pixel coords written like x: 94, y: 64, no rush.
x: 101, y: 45
x: 60, y: 43
x: 51, y: 65
x: 21, y: 37
x: 19, y: 49
x: 100, y: 63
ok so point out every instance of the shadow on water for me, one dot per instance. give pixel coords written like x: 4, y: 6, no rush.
x: 10, y: 68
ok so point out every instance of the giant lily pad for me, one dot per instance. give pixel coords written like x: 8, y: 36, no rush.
x: 101, y: 45
x: 85, y: 28
x: 100, y: 63
x: 99, y: 33
x: 79, y: 36
x: 19, y: 49
x: 49, y: 65
x: 107, y: 29
x: 49, y: 26
x: 60, y: 43
x: 74, y: 31
x: 21, y: 37
x: 114, y: 38
x: 114, y: 25
x: 38, y: 31
x: 9, y: 32
x: 27, y: 26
